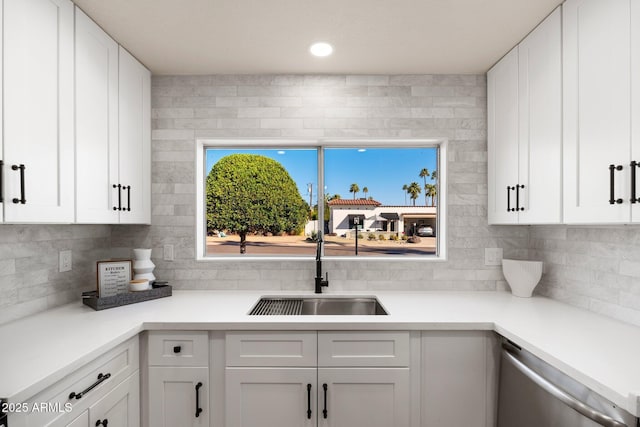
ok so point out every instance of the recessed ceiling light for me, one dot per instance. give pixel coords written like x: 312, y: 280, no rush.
x: 321, y: 49
x: 362, y: 150
x: 280, y: 152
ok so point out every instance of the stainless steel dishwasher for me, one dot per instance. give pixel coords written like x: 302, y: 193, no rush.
x: 534, y: 394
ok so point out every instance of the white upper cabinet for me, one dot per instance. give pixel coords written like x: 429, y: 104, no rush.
x: 525, y: 130
x: 502, y: 102
x: 38, y: 84
x: 96, y: 123
x: 540, y: 125
x: 112, y: 130
x: 635, y: 105
x: 134, y: 140
x: 597, y: 110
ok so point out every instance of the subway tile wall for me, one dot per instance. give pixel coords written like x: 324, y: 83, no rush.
x: 29, y: 277
x: 596, y: 268
x: 283, y: 106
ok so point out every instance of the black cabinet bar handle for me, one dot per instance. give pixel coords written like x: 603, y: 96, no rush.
x: 104, y: 422
x: 198, y: 408
x: 22, y: 199
x: 324, y: 411
x: 508, y: 199
x: 308, y: 401
x: 612, y: 181
x: 1, y: 181
x: 128, y: 198
x: 100, y: 379
x: 119, y: 208
x: 518, y: 187
x: 633, y: 165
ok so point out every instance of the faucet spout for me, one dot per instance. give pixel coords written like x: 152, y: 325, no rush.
x: 320, y: 282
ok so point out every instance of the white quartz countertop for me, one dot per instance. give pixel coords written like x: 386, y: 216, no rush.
x: 602, y: 353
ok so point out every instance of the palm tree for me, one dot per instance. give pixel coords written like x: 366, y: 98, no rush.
x: 365, y: 190
x: 414, y: 190
x: 354, y: 189
x: 431, y: 191
x: 424, y: 174
x: 405, y: 188
x: 434, y: 175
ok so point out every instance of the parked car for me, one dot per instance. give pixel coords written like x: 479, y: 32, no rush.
x: 425, y: 231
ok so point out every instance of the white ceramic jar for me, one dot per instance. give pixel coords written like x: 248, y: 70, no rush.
x: 142, y: 265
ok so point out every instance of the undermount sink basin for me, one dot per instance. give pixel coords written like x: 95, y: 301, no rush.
x: 318, y: 306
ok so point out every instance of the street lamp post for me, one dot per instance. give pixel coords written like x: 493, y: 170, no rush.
x: 356, y: 221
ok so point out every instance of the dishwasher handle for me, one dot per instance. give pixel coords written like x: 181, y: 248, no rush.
x: 562, y: 395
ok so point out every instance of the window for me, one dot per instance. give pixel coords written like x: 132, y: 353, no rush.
x: 377, y: 198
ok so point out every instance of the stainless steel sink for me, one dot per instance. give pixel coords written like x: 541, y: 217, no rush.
x: 318, y: 306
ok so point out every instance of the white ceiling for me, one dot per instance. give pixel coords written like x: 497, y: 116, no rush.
x: 273, y: 36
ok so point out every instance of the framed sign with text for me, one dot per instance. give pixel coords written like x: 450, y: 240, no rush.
x: 113, y: 277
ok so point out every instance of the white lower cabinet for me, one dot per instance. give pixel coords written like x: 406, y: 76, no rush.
x: 371, y: 397
x: 107, y: 388
x: 177, y: 386
x: 81, y: 421
x: 120, y: 407
x: 357, y: 379
x: 178, y: 397
x: 271, y: 397
x: 459, y: 378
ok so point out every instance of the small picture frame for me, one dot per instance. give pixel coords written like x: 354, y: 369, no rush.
x: 113, y: 277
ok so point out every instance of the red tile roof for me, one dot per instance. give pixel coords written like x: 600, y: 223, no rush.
x: 352, y: 202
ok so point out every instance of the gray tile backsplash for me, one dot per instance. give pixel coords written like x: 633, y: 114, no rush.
x: 29, y: 277
x: 449, y: 106
x: 597, y: 268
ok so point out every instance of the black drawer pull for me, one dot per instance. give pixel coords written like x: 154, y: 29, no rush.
x: 128, y: 188
x: 308, y: 401
x: 119, y: 208
x: 324, y: 411
x: 177, y: 349
x: 1, y: 184
x: 100, y: 379
x: 198, y: 408
x: 22, y: 199
x: 518, y: 187
x: 612, y: 182
x: 104, y: 422
x: 634, y: 199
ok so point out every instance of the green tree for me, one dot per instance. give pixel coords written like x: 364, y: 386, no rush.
x: 354, y: 189
x: 365, y: 190
x: 431, y: 190
x: 414, y: 191
x: 248, y: 193
x: 424, y: 174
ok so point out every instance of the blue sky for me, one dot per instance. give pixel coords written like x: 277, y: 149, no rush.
x: 382, y: 170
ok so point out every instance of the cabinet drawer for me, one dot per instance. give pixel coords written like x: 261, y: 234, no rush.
x: 178, y: 348
x: 271, y: 349
x: 347, y: 349
x: 119, y: 363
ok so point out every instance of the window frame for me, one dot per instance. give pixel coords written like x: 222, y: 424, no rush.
x: 202, y: 144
